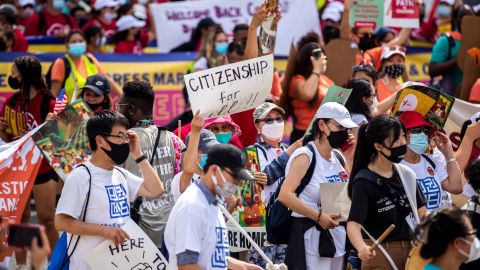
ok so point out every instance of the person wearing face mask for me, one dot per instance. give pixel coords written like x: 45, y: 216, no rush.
x: 104, y: 17
x: 392, y: 67
x: 448, y: 240
x: 80, y: 16
x: 383, y: 192
x: 196, y: 236
x: 213, y: 50
x: 51, y: 21
x: 96, y: 93
x: 438, y: 174
x: 317, y: 239
x: 94, y: 38
x: 106, y: 188
x: 472, y: 208
x: 163, y: 150
x: 8, y: 17
x: 72, y: 70
x: 129, y: 37
x: 26, y: 10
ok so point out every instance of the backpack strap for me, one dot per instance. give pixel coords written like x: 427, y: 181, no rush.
x: 263, y: 150
x: 339, y: 156
x: 429, y: 161
x: 308, y: 176
x: 451, y: 44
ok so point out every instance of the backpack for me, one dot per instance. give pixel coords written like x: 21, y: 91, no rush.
x: 446, y: 84
x: 68, y: 69
x: 278, y: 219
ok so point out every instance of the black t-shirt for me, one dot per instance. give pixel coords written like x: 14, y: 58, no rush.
x: 373, y: 209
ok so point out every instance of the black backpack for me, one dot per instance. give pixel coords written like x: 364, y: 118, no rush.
x: 68, y: 69
x: 278, y: 219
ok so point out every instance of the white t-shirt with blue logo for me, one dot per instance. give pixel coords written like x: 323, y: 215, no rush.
x: 196, y: 225
x: 430, y: 180
x: 325, y: 172
x: 109, y: 205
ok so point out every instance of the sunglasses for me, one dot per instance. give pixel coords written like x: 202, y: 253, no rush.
x: 364, y: 68
x: 317, y: 53
x: 417, y: 130
x: 270, y: 120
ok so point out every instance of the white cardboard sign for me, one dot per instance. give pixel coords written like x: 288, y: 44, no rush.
x: 230, y: 88
x: 137, y: 253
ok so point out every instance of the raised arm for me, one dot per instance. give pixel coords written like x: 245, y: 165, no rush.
x: 190, y: 158
x: 251, y: 49
x: 465, y: 149
x: 345, y: 23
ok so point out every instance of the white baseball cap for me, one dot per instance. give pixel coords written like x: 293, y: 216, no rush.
x: 389, y: 51
x: 140, y: 11
x: 99, y: 4
x: 128, y: 21
x: 23, y: 3
x: 333, y: 11
x: 337, y: 112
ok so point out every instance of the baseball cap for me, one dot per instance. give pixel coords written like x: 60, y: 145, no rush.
x: 23, y: 3
x: 337, y: 112
x: 140, y: 11
x: 382, y: 31
x: 389, y: 51
x: 128, y: 21
x: 411, y: 119
x: 207, y: 140
x: 333, y: 11
x: 229, y: 156
x: 264, y: 109
x: 97, y: 84
x: 99, y: 4
x: 8, y: 10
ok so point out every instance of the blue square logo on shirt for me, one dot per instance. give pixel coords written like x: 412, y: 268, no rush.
x: 119, y: 205
x: 219, y: 257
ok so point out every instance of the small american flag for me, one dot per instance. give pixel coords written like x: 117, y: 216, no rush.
x: 61, y: 102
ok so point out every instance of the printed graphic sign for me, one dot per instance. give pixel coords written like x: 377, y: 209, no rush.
x: 401, y: 13
x: 137, y: 253
x: 64, y: 142
x: 231, y: 88
x: 19, y: 164
x: 250, y: 211
x: 268, y: 29
x: 367, y: 13
x: 434, y: 105
x: 17, y: 121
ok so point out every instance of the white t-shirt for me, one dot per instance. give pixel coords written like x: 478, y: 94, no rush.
x: 325, y: 172
x: 359, y: 119
x: 272, y: 154
x: 196, y: 225
x: 430, y: 180
x: 109, y: 203
x: 201, y: 64
x: 175, y: 184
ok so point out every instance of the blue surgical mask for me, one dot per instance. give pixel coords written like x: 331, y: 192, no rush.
x: 59, y: 4
x: 418, y: 142
x: 223, y: 137
x: 221, y: 48
x: 77, y: 49
x: 443, y: 11
x: 203, y: 161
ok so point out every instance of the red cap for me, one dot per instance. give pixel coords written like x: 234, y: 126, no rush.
x: 411, y: 119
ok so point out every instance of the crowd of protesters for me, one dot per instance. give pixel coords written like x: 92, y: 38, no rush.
x: 400, y: 169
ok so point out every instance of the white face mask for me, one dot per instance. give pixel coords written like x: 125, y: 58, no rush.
x: 374, y: 104
x: 474, y: 250
x: 227, y: 190
x: 109, y: 16
x: 273, y: 131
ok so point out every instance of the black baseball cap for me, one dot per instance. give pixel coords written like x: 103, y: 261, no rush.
x: 98, y: 84
x: 207, y: 140
x: 229, y: 156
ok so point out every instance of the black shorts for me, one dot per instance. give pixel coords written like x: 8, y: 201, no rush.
x: 44, y: 178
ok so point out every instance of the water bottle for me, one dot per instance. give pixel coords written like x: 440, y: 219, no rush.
x: 353, y: 262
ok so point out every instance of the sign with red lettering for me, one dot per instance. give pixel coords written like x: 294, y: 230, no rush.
x: 136, y: 253
x: 404, y: 9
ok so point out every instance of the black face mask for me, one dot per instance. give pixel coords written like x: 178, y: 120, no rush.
x: 118, y: 153
x: 3, y: 45
x: 337, y: 139
x: 94, y: 107
x: 14, y: 83
x: 397, y: 153
x: 366, y: 43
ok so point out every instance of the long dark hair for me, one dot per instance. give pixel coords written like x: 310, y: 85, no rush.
x: 438, y: 230
x: 315, y: 132
x: 360, y: 88
x: 379, y: 130
x: 30, y: 70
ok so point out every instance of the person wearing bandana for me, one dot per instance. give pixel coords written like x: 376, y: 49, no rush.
x: 163, y: 150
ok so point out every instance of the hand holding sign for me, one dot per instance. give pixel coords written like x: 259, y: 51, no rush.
x: 230, y: 88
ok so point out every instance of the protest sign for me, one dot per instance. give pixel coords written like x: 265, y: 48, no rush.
x: 434, y: 105
x: 19, y: 164
x: 250, y: 211
x: 268, y: 29
x: 367, y: 13
x: 461, y: 112
x: 136, y: 253
x: 334, y: 199
x: 401, y: 13
x: 64, y: 143
x: 230, y: 88
x: 174, y: 22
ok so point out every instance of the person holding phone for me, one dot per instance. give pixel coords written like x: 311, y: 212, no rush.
x: 103, y: 188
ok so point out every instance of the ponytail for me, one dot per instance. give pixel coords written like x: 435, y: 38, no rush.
x: 315, y: 132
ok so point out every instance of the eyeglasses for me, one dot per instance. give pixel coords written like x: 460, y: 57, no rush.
x: 220, y: 128
x: 118, y: 138
x: 472, y: 232
x: 398, y: 48
x: 119, y: 105
x: 374, y: 95
x: 417, y: 130
x: 270, y: 120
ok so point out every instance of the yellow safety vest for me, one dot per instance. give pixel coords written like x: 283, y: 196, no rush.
x: 75, y: 80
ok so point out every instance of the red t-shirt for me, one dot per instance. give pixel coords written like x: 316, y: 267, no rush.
x: 245, y: 121
x: 34, y: 118
x: 108, y: 29
x: 22, y: 21
x: 21, y: 44
x: 133, y: 46
x: 53, y: 24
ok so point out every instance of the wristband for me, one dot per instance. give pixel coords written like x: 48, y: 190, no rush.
x: 452, y: 160
x: 319, y: 215
x: 140, y: 159
x: 315, y: 73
